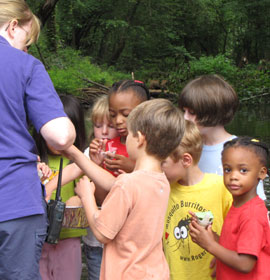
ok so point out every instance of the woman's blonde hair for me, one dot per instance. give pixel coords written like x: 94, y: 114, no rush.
x: 20, y: 11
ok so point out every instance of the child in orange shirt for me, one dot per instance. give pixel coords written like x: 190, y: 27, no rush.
x: 130, y: 222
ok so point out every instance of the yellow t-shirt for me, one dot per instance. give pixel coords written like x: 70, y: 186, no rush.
x: 187, y: 260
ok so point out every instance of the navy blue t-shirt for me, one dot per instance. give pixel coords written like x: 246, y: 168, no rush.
x: 26, y: 93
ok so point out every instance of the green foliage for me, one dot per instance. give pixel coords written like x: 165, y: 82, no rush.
x: 248, y: 81
x: 213, y: 65
x: 219, y: 65
x: 252, y: 82
x: 172, y: 40
x: 68, y: 68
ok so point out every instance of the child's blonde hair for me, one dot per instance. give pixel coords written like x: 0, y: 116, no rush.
x: 19, y: 10
x: 211, y: 98
x: 100, y: 109
x: 161, y: 123
x: 191, y: 143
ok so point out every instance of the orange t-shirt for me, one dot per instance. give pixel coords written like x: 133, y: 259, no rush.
x: 132, y: 216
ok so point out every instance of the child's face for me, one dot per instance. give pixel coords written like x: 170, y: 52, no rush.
x: 173, y: 170
x: 242, y: 172
x: 120, y: 105
x: 191, y: 116
x: 103, y: 129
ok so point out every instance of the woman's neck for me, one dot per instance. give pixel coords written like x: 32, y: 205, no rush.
x: 214, y: 135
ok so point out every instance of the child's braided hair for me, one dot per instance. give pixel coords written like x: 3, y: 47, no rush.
x: 138, y: 87
x: 258, y: 147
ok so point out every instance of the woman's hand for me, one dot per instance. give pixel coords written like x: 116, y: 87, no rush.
x: 44, y: 171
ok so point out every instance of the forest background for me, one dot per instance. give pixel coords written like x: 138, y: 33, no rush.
x: 164, y: 43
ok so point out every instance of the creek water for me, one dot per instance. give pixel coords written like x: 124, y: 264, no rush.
x: 252, y: 120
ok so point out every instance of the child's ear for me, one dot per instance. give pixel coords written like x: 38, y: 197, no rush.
x: 186, y: 160
x: 262, y: 173
x: 141, y: 138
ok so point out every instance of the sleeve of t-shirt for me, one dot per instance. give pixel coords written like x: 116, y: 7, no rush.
x: 42, y: 103
x: 114, y: 211
x: 250, y: 237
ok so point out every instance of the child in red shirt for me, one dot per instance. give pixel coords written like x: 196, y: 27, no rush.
x: 243, y: 249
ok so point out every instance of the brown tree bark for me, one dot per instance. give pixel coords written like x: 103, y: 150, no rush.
x: 46, y: 10
x: 120, y: 45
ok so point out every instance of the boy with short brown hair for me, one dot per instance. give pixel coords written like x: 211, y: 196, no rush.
x: 130, y: 222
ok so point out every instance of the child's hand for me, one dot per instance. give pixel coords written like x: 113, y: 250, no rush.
x: 202, y: 236
x: 96, y: 147
x: 85, y: 188
x: 213, y: 265
x: 193, y: 216
x: 115, y: 162
x: 44, y: 171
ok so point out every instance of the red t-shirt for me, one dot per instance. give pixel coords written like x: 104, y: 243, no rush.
x: 246, y: 230
x: 119, y: 148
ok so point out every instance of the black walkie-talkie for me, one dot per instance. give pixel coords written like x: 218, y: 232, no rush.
x: 56, y: 209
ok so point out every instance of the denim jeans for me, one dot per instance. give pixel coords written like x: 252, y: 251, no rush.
x: 21, y: 241
x: 93, y: 261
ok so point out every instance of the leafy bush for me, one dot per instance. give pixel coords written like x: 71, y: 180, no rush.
x: 219, y: 65
x: 248, y: 81
x: 68, y: 68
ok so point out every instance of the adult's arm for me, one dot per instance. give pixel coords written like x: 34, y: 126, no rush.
x: 59, y: 133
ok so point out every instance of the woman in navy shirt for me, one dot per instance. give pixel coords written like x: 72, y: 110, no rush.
x: 26, y: 94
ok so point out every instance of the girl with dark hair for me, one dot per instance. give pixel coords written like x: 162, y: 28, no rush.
x: 63, y: 260
x: 124, y: 96
x: 243, y: 249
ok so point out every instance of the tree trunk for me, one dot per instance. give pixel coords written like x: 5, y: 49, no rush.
x: 122, y: 41
x: 45, y: 10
